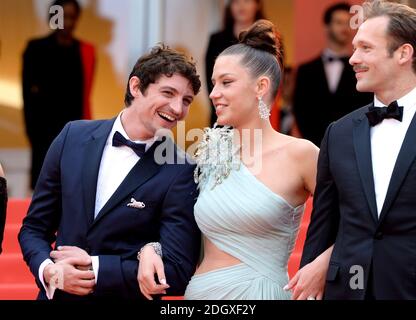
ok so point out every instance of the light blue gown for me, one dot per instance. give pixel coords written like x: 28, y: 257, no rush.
x: 245, y: 219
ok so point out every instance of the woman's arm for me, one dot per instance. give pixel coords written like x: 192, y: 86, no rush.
x: 309, y: 281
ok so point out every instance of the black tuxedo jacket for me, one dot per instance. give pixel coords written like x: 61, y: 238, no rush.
x: 345, y: 214
x: 315, y: 107
x: 62, y: 210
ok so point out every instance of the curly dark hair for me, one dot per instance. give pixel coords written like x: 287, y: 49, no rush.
x: 162, y: 61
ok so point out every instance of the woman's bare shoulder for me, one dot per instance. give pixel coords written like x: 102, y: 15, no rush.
x: 301, y: 149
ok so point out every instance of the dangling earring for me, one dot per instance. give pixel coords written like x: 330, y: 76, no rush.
x: 264, y: 109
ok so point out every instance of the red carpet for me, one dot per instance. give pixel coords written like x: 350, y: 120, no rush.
x: 17, y: 283
x: 294, y: 260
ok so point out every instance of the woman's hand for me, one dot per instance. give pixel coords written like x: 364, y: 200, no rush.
x: 149, y: 265
x: 309, y: 282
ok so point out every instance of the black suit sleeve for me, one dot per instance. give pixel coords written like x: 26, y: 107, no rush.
x: 179, y: 233
x: 180, y: 240
x: 41, y: 223
x: 324, y: 222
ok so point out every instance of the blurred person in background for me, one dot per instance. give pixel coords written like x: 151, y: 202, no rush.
x: 325, y: 87
x: 57, y: 79
x: 287, y: 119
x: 239, y: 15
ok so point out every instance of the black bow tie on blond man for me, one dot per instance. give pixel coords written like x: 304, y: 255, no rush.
x: 119, y: 140
x: 376, y: 115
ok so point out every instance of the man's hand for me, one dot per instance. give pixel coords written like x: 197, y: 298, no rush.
x: 65, y: 252
x: 66, y: 277
x: 151, y: 263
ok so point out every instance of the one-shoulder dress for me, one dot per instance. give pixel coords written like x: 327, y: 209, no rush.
x: 244, y: 218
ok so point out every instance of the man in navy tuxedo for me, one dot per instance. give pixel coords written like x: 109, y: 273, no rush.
x: 364, y: 202
x: 104, y: 193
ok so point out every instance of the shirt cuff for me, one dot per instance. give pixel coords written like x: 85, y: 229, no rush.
x: 50, y: 290
x: 95, y: 266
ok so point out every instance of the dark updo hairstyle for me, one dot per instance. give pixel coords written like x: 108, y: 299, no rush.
x: 261, y: 53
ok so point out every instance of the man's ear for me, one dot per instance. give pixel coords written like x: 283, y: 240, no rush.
x: 134, y: 86
x: 406, y: 52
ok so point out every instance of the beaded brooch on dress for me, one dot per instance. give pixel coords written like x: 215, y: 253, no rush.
x: 216, y: 155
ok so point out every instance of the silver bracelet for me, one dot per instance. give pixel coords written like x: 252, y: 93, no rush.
x: 155, y: 245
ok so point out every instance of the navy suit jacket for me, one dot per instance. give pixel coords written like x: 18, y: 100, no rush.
x: 345, y: 214
x: 62, y: 210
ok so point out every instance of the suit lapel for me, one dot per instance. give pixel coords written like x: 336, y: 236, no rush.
x: 93, y: 153
x: 142, y: 171
x: 362, y: 146
x: 404, y: 160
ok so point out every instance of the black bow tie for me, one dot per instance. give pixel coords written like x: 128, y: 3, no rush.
x: 119, y: 140
x: 336, y: 58
x: 376, y: 115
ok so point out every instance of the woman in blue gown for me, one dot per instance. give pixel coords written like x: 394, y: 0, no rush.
x: 253, y: 181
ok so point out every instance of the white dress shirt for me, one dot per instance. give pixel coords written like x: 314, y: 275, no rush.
x: 116, y: 163
x: 333, y: 69
x: 386, y: 141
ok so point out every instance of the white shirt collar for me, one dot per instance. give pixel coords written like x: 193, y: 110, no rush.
x: 406, y: 101
x: 329, y: 52
x: 118, y: 126
x: 326, y: 53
